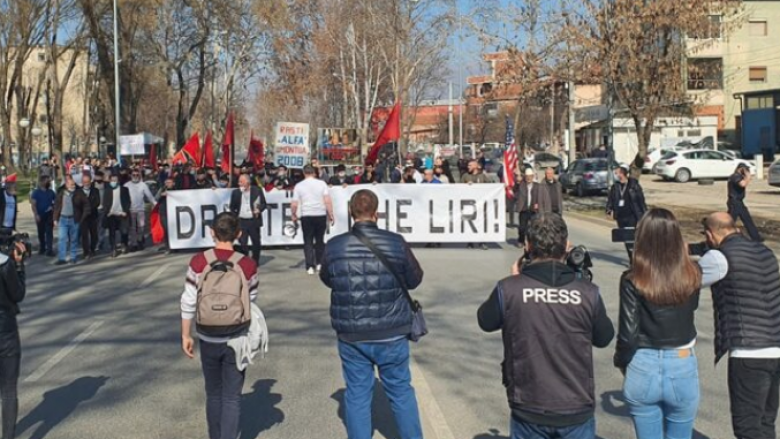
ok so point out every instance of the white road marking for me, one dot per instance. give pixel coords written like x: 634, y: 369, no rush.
x: 154, y: 276
x: 59, y: 356
x: 430, y: 408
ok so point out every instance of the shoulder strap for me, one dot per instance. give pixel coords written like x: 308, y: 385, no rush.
x: 235, y: 258
x: 383, y: 259
x: 211, y: 257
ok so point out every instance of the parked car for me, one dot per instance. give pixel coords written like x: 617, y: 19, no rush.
x: 586, y: 176
x: 655, y: 155
x: 544, y: 160
x: 683, y: 166
x: 773, y: 175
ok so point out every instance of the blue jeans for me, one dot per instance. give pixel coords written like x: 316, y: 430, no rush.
x: 392, y: 359
x: 224, y: 383
x: 525, y: 430
x: 662, y: 392
x: 68, y: 236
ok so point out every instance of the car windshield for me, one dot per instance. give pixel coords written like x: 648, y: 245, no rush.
x: 600, y: 165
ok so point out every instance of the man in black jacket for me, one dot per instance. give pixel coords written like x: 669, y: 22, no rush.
x: 745, y: 282
x: 116, y: 202
x: 738, y: 183
x: 12, y: 292
x: 549, y: 320
x: 88, y: 227
x: 70, y: 208
x: 248, y: 202
x: 626, y: 203
x: 372, y: 317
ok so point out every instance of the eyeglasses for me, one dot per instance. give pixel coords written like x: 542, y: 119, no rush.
x: 136, y: 175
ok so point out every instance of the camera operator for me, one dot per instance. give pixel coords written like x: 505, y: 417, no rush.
x: 551, y: 390
x: 12, y: 291
x: 738, y: 183
x: 626, y: 203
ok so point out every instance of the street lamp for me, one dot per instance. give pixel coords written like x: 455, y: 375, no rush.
x: 24, y: 123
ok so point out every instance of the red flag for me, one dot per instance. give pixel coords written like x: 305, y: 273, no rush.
x: 391, y: 132
x: 208, y: 152
x: 153, y: 156
x: 190, y: 151
x: 227, y: 146
x: 158, y: 231
x: 256, y: 155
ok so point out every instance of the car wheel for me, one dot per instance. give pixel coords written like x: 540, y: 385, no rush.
x: 682, y: 176
x: 579, y: 190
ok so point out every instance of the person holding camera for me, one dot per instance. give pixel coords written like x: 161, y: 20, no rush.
x: 550, y: 319
x: 626, y: 203
x: 656, y: 337
x: 738, y: 183
x: 12, y: 291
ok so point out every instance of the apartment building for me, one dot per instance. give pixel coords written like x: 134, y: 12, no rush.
x: 722, y: 65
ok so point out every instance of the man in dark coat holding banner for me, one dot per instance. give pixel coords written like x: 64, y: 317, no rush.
x: 248, y: 203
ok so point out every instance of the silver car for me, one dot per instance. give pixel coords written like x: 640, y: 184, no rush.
x: 773, y: 176
x: 587, y: 176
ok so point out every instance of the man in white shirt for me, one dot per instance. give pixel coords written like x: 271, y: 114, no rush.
x: 312, y: 198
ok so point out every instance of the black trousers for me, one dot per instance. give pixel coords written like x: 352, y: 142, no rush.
x: 313, y: 228
x: 224, y: 383
x: 754, y: 386
x: 115, y: 224
x: 738, y: 210
x: 9, y: 377
x: 46, y: 232
x: 628, y: 223
x: 250, y: 229
x: 88, y: 230
x: 525, y: 218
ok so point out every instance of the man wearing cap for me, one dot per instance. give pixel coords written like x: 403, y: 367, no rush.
x: 738, y: 183
x: 626, y: 203
x: 8, y: 206
x: 532, y: 198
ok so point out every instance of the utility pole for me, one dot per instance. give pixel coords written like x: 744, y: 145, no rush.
x: 572, y: 123
x: 460, y: 85
x: 451, y: 124
x: 117, y: 115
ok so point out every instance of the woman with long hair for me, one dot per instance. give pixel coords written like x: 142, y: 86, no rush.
x: 655, y: 347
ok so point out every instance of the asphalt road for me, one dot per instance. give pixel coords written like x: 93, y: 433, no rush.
x: 102, y: 359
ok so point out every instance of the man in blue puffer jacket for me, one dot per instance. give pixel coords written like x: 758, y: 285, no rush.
x: 372, y: 318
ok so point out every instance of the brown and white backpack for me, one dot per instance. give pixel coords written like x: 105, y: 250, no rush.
x: 223, y: 307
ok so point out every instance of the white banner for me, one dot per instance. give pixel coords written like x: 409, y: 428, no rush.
x: 132, y: 145
x: 436, y: 213
x: 291, y: 148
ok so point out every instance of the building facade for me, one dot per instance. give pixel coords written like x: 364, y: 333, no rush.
x: 730, y: 59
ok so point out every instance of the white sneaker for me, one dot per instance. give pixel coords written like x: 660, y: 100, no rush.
x: 310, y: 271
x: 319, y: 268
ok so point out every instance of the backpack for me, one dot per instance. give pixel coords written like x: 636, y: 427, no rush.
x: 223, y: 305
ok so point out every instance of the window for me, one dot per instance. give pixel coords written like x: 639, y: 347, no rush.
x: 41, y: 57
x: 757, y: 74
x: 758, y: 103
x: 705, y: 74
x: 709, y: 29
x: 491, y: 109
x: 680, y: 133
x: 694, y: 133
x: 757, y: 28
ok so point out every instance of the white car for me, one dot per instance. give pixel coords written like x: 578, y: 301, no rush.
x: 683, y: 166
x: 655, y: 155
x: 773, y: 176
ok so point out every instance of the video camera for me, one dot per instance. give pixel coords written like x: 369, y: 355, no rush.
x: 578, y: 260
x: 8, y: 243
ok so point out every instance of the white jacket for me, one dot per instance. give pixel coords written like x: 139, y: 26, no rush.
x: 253, y: 341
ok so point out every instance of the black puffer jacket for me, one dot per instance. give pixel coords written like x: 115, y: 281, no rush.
x: 643, y: 324
x: 367, y: 303
x: 12, y: 291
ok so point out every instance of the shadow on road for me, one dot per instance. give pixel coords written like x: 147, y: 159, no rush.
x: 258, y: 410
x: 608, y: 404
x: 58, y: 404
x: 382, y: 418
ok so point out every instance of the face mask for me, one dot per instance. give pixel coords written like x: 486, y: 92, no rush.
x: 342, y: 174
x: 136, y: 179
x: 222, y: 184
x: 114, y: 184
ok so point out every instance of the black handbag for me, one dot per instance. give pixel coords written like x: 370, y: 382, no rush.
x: 419, y: 327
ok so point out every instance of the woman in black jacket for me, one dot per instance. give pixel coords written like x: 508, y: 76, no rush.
x: 656, y: 337
x: 12, y: 291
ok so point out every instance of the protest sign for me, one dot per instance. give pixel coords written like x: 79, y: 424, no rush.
x: 433, y: 213
x: 132, y: 145
x: 291, y: 148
